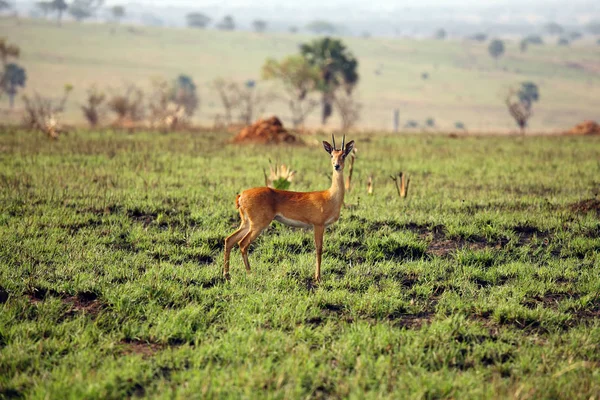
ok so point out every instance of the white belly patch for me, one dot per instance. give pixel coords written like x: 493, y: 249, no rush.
x: 291, y: 222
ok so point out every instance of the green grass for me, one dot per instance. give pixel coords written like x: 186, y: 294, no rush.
x: 484, y: 283
x: 465, y: 84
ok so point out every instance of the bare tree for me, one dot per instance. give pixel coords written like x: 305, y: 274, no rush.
x: 93, y: 109
x: 298, y: 79
x: 245, y: 100
x: 348, y: 109
x: 519, y: 103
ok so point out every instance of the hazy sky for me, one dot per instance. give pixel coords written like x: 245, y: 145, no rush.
x: 360, y: 3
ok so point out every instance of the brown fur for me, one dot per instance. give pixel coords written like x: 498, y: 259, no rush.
x: 260, y: 206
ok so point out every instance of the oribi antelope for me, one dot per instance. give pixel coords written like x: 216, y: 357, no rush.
x: 259, y: 206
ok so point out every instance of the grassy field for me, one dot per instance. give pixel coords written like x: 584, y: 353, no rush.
x: 484, y: 283
x: 464, y: 83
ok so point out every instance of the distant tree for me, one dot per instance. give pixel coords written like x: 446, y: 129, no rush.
x: 227, y: 23
x: 184, y: 94
x: 440, y: 34
x: 338, y: 68
x: 430, y: 122
x: 411, y: 124
x: 117, y: 13
x: 5, y: 5
x: 45, y: 7
x: 59, y: 7
x: 459, y: 125
x: 496, y: 49
x: 321, y: 27
x: 83, y: 9
x: 593, y: 27
x: 519, y: 103
x: 574, y: 35
x: 259, y: 25
x: 293, y: 29
x: 348, y: 109
x: 299, y: 78
x: 8, y: 51
x: 523, y: 45
x: 366, y: 35
x: 479, y: 37
x: 245, y: 99
x: 93, y: 109
x: 598, y: 42
x: 197, y: 20
x: 13, y: 77
x: 534, y: 39
x: 563, y: 41
x: 554, y: 29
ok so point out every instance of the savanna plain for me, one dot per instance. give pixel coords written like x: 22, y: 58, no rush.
x: 483, y: 283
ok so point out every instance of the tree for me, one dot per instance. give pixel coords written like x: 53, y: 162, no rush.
x: 440, y: 34
x: 563, y: 41
x: 348, y: 109
x: 8, y: 50
x: 554, y: 29
x: 227, y: 23
x: 197, y: 20
x: 184, y: 94
x: 259, y: 25
x: 117, y: 13
x: 299, y: 78
x: 337, y: 66
x: 523, y: 45
x: 5, y: 5
x: 59, y: 7
x: 479, y: 37
x: 245, y: 98
x: 519, y: 103
x: 534, y: 39
x: 574, y: 35
x: 45, y: 7
x: 593, y: 27
x: 496, y: 48
x: 13, y: 77
x: 83, y: 9
x: 321, y: 27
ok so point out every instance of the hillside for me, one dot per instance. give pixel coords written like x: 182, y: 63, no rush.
x: 464, y: 83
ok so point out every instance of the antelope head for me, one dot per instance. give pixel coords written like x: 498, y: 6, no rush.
x: 338, y: 156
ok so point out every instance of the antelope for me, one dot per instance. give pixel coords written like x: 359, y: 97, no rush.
x: 258, y: 207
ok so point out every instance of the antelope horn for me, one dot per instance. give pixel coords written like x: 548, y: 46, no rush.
x: 333, y: 140
x: 343, y: 141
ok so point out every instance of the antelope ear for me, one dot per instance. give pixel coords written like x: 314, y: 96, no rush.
x: 327, y: 146
x: 348, y: 148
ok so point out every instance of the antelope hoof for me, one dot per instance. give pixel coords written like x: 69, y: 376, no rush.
x: 226, y: 276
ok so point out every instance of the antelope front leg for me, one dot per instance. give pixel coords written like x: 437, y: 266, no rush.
x: 319, y: 230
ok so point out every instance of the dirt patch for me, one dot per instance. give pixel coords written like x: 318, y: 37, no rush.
x: 411, y: 321
x: 586, y: 206
x: 526, y: 233
x: 265, y: 131
x: 135, y: 346
x: 585, y: 128
x: 86, y: 302
x: 548, y: 300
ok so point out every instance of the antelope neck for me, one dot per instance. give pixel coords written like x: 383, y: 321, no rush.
x: 337, y: 185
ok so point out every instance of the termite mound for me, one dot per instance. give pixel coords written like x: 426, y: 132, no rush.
x: 266, y: 131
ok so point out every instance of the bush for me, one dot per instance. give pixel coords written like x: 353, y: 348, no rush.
x: 93, y: 110
x: 128, y: 104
